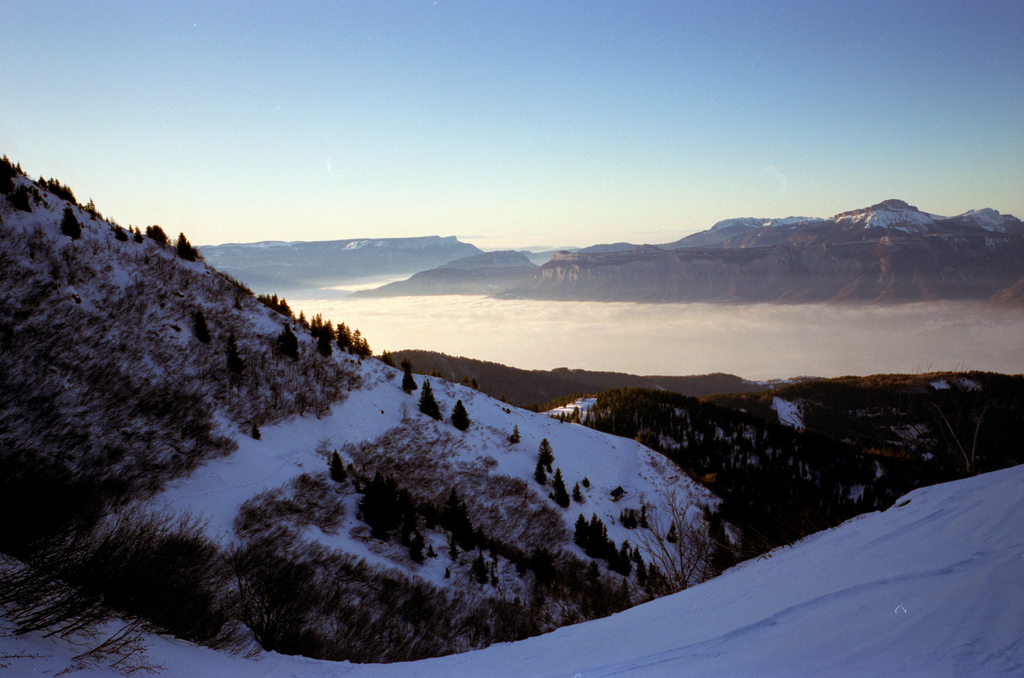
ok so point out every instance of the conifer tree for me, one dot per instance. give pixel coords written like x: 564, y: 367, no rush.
x: 428, y: 405
x: 69, y: 224
x: 383, y: 505
x: 560, y: 495
x: 20, y: 199
x: 325, y: 341
x: 515, y: 437
x: 255, y: 432
x: 408, y: 383
x: 185, y: 249
x: 460, y: 418
x: 545, y: 455
x: 581, y: 533
x: 416, y: 545
x: 480, y: 569
x: 344, y: 336
x: 201, y: 330
x: 538, y: 473
x: 337, y: 468
x: 235, y: 363
x: 455, y: 518
x: 577, y: 494
x: 288, y: 343
x: 156, y: 233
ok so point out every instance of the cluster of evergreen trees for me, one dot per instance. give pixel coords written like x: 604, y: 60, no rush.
x: 273, y: 303
x: 8, y: 170
x: 545, y: 460
x: 592, y: 537
x: 428, y: 404
x: 776, y: 482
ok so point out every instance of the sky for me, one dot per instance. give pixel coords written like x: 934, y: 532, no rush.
x: 520, y: 124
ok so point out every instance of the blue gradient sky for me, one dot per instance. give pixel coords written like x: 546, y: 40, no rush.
x: 512, y: 124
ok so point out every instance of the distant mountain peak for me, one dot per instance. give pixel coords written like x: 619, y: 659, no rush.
x: 891, y: 214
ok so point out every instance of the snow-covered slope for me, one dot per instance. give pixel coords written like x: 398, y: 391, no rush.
x: 931, y: 587
x: 371, y: 418
x: 144, y: 378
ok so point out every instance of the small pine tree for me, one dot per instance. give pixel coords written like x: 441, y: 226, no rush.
x: 428, y: 405
x: 337, y: 468
x: 288, y: 343
x: 515, y: 437
x: 69, y: 225
x: 545, y: 454
x: 577, y: 494
x: 325, y: 342
x: 344, y: 336
x: 673, y: 536
x: 201, y: 330
x: 235, y: 363
x: 560, y: 495
x: 255, y: 432
x: 408, y: 383
x: 543, y: 565
x: 480, y: 569
x: 156, y: 234
x: 19, y: 198
x: 416, y: 545
x: 185, y: 249
x: 538, y: 473
x: 581, y: 532
x: 460, y: 419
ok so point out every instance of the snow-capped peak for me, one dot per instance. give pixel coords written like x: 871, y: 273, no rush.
x: 889, y: 214
x: 988, y: 219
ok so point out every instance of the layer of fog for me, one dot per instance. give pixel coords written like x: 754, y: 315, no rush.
x: 753, y: 341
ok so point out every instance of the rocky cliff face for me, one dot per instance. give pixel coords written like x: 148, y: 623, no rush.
x: 890, y: 252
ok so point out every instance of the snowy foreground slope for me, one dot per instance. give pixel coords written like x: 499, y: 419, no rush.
x: 932, y: 587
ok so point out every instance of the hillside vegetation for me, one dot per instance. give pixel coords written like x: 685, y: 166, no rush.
x: 191, y: 458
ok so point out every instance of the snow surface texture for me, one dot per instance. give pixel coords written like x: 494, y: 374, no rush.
x: 789, y: 413
x: 931, y: 587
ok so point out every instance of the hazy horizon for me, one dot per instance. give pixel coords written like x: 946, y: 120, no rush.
x: 513, y: 124
x: 754, y: 341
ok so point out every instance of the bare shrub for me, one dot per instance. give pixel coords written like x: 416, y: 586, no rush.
x: 305, y: 500
x: 677, y: 541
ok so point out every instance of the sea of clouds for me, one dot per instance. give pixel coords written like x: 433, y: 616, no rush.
x: 755, y: 341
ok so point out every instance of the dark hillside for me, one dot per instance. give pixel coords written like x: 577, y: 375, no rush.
x: 946, y: 423
x: 534, y: 387
x: 777, y: 484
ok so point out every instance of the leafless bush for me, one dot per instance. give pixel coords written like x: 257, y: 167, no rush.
x: 420, y: 457
x: 677, y: 541
x: 124, y: 651
x: 307, y: 499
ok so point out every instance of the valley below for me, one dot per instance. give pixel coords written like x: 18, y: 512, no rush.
x: 754, y: 341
